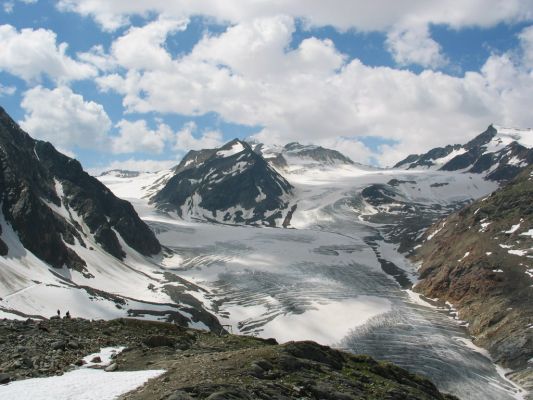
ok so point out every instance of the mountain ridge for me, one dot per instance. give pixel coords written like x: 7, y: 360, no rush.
x: 498, y: 152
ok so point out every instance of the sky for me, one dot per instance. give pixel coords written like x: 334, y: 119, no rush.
x: 135, y: 84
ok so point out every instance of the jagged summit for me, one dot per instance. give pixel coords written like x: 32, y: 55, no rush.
x: 499, y: 153
x: 230, y: 184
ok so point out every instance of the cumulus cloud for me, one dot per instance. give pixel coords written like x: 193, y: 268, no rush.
x: 413, y: 45
x: 188, y: 138
x: 64, y: 118
x: 379, y: 15
x: 526, y: 42
x: 141, y: 47
x: 313, y: 93
x: 32, y: 53
x: 251, y: 74
x: 135, y: 136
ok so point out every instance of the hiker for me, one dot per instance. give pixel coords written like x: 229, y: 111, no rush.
x: 67, y: 315
x: 59, y: 313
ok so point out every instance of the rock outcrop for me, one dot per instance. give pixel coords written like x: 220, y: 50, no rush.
x: 201, y: 365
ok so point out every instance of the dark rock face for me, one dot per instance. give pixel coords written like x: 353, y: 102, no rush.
x: 500, y: 164
x: 479, y: 259
x: 232, y: 184
x: 35, y: 180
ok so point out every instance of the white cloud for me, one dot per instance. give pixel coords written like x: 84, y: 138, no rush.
x: 526, y: 42
x: 137, y: 137
x: 64, y: 118
x: 30, y: 54
x: 413, y: 45
x: 97, y: 57
x: 314, y: 94
x: 134, y: 164
x: 7, y: 90
x: 186, y: 138
x: 141, y: 47
x: 405, y: 21
x: 378, y: 15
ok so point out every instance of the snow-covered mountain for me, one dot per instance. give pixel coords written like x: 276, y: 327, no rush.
x: 231, y: 184
x: 339, y: 277
x: 498, y: 153
x: 67, y: 242
x: 296, y: 156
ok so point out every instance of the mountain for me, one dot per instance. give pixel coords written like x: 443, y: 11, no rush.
x: 498, y: 153
x: 231, y: 184
x: 296, y: 155
x: 45, y: 195
x: 480, y: 260
x: 67, y: 242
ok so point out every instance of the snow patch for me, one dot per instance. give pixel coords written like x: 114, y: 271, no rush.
x: 235, y: 149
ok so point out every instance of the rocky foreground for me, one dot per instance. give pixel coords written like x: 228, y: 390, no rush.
x: 202, y: 365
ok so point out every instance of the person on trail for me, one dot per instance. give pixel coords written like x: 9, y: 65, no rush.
x: 67, y: 315
x: 58, y: 313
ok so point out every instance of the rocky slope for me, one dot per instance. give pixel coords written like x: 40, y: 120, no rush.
x: 498, y: 153
x: 66, y: 241
x: 232, y: 185
x: 46, y: 195
x: 480, y: 259
x: 201, y: 365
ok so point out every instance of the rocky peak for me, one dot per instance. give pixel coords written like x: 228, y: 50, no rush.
x: 230, y: 184
x: 498, y: 153
x: 43, y: 192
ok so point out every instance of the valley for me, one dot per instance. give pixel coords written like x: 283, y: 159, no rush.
x: 321, y: 280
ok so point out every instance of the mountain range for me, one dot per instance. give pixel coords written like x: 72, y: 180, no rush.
x: 291, y: 241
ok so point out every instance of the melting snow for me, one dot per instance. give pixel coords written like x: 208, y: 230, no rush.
x: 528, y: 233
x: 513, y: 229
x: 86, y: 383
x: 518, y: 252
x: 484, y: 226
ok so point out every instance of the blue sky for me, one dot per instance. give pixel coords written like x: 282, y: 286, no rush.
x: 376, y: 85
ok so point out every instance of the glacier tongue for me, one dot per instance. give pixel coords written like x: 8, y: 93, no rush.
x: 334, y: 278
